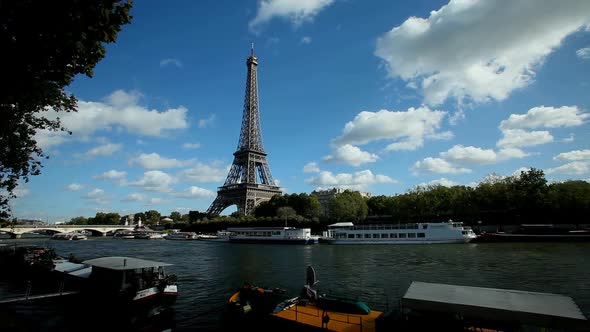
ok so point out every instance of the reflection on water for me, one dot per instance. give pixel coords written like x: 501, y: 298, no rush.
x: 209, y: 272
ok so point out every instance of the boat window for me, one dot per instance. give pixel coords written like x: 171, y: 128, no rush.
x: 402, y: 235
x: 384, y: 236
x: 412, y: 235
x: 424, y: 226
x: 464, y: 232
x: 351, y: 236
x: 367, y: 236
x: 375, y: 236
x: 421, y: 235
x: 358, y: 236
x: 393, y: 235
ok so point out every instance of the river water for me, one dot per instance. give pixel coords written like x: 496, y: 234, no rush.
x: 209, y: 272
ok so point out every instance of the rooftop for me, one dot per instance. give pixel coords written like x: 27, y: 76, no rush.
x: 532, y: 308
x: 123, y: 263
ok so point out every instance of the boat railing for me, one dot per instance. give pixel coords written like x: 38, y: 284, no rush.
x: 385, y: 227
x: 328, y: 316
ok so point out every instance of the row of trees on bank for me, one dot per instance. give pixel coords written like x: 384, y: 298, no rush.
x: 526, y: 198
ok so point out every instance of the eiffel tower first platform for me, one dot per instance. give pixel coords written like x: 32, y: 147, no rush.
x: 249, y: 181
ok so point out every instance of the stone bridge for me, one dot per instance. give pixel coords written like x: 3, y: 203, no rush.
x: 17, y: 231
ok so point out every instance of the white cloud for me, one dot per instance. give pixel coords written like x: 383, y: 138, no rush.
x: 118, y: 110
x: 439, y: 182
x: 134, y: 197
x: 479, y: 49
x: 575, y: 155
x: 571, y: 138
x: 408, y: 129
x: 511, y: 153
x: 96, y: 196
x: 154, y: 201
x: 352, y: 155
x: 469, y: 155
x: 515, y: 138
x: 360, y: 180
x: 154, y: 181
x: 437, y: 165
x: 297, y: 11
x: 95, y: 193
x: 74, y: 187
x: 583, y: 53
x: 155, y: 161
x: 306, y: 40
x: 170, y: 61
x: 46, y: 139
x: 191, y: 145
x: 548, y: 117
x: 575, y: 167
x: 111, y: 175
x: 195, y: 192
x: 311, y: 167
x: 20, y: 191
x: 208, y: 122
x: 102, y: 150
x: 519, y: 171
x: 206, y: 173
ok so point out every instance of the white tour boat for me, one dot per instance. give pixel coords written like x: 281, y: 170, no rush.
x: 414, y: 233
x: 182, y: 236
x: 272, y: 235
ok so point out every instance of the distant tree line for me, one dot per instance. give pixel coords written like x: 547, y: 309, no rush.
x: 520, y: 199
x: 525, y: 198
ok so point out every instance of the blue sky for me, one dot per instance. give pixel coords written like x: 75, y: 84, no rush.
x: 378, y: 96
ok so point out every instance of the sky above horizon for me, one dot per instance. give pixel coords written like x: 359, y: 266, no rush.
x: 378, y: 96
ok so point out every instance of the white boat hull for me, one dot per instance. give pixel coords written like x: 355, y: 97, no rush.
x: 377, y: 241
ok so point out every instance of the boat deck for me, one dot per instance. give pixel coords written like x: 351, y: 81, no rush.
x: 313, y: 316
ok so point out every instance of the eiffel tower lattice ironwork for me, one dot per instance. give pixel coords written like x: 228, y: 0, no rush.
x: 249, y: 181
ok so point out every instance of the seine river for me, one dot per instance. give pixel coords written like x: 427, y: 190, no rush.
x: 209, y: 272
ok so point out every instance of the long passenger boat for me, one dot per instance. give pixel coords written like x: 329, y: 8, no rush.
x: 414, y: 233
x: 289, y: 235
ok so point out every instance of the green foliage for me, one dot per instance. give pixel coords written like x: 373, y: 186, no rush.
x: 176, y: 216
x: 78, y: 221
x: 152, y: 217
x: 45, y: 44
x: 348, y: 206
x: 379, y: 205
x: 195, y: 216
x: 102, y: 218
x: 304, y: 205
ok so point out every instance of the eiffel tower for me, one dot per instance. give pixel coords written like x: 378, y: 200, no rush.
x: 249, y: 181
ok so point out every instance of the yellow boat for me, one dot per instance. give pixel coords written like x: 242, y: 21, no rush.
x: 326, y: 312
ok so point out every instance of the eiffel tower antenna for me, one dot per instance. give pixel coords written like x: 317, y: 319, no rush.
x: 249, y: 181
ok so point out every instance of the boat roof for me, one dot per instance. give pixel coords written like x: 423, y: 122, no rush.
x: 123, y: 263
x: 230, y: 229
x: 549, y: 310
x: 342, y: 224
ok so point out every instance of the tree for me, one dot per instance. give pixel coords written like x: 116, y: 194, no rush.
x: 78, y: 221
x: 102, y: 218
x: 45, y: 44
x: 285, y: 212
x: 348, y: 206
x: 152, y: 217
x: 176, y: 216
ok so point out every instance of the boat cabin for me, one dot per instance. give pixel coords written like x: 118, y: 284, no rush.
x: 125, y: 273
